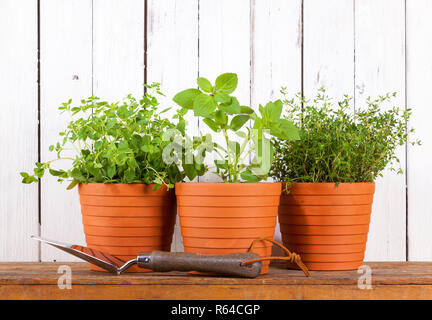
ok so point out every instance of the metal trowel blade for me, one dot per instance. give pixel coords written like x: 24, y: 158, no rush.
x: 96, y: 257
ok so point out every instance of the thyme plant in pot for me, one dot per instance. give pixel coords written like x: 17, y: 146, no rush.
x: 225, y: 217
x: 126, y: 190
x: 329, y: 175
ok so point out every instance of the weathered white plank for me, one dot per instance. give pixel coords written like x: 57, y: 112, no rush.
x: 328, y: 59
x: 172, y: 58
x: 66, y: 72
x: 118, y: 48
x: 19, y: 129
x: 276, y: 49
x: 275, y: 62
x: 224, y: 46
x: 419, y: 80
x: 380, y: 68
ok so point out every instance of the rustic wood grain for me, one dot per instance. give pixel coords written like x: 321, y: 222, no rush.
x: 328, y: 54
x: 18, y: 129
x: 419, y: 78
x: 380, y: 68
x: 66, y: 73
x: 392, y: 280
x: 172, y: 60
x: 118, y: 48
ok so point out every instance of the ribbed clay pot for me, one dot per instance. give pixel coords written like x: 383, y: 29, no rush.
x: 126, y: 219
x: 327, y: 224
x: 220, y: 218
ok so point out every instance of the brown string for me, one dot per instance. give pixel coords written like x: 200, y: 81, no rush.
x: 291, y: 256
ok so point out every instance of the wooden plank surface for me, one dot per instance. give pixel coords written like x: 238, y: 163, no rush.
x: 392, y: 280
x: 380, y: 68
x: 66, y: 73
x: 118, y: 48
x: 419, y: 79
x: 18, y: 129
x: 328, y: 58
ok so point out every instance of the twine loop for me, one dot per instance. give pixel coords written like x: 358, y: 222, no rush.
x: 290, y: 256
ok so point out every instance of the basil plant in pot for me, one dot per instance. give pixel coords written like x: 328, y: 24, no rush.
x: 329, y: 173
x: 225, y: 217
x: 126, y: 190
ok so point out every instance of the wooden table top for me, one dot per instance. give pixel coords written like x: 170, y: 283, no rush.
x: 390, y: 280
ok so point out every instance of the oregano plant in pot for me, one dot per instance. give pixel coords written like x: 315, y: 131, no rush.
x: 227, y: 216
x: 125, y: 187
x: 329, y: 175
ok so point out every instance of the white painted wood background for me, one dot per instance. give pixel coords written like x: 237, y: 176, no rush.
x: 109, y: 48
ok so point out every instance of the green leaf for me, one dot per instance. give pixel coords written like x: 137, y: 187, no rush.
x: 221, y: 97
x: 203, y: 105
x: 276, y: 111
x: 24, y: 174
x: 221, y: 164
x: 156, y: 186
x: 72, y: 184
x: 285, y: 130
x: 181, y: 126
x: 77, y: 175
x: 56, y: 173
x: 247, y: 110
x: 226, y: 83
x: 234, y: 147
x: 111, y: 170
x: 238, y: 121
x: 123, y: 146
x: 146, y: 140
x: 129, y: 175
x: 267, y: 112
x: 249, y: 176
x: 221, y: 118
x: 241, y: 134
x: 212, y: 125
x: 186, y: 98
x: 165, y: 110
x: 258, y: 123
x: 190, y: 171
x: 233, y: 107
x: 39, y: 172
x: 205, y: 85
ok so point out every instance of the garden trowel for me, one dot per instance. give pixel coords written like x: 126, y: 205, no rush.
x: 160, y: 261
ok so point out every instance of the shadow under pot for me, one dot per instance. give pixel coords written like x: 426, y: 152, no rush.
x: 327, y: 224
x: 127, y: 219
x: 221, y: 218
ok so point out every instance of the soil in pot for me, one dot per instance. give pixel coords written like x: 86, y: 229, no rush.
x: 327, y: 224
x: 220, y: 218
x: 127, y: 219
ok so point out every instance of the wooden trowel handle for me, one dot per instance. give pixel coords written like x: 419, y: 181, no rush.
x: 225, y: 264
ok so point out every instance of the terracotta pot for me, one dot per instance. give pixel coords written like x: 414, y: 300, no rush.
x: 220, y: 218
x: 126, y: 219
x: 327, y: 224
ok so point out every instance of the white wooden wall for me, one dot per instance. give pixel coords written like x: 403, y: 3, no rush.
x: 53, y: 50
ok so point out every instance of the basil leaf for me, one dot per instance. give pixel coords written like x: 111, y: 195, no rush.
x: 203, y: 105
x: 226, y: 83
x: 186, y: 98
